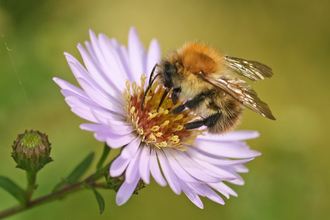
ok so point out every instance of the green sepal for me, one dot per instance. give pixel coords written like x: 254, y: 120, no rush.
x: 13, y: 189
x: 77, y: 173
x: 98, y: 196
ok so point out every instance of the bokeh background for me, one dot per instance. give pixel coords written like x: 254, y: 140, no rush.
x: 291, y: 178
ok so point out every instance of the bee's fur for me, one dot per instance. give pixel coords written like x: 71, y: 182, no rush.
x: 182, y: 74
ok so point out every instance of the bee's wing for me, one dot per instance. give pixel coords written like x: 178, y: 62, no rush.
x: 253, y: 70
x: 242, y: 92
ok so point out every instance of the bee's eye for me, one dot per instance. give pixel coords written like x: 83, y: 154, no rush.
x: 168, y: 74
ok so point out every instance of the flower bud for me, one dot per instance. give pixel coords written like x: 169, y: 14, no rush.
x: 31, y: 151
x: 116, y: 182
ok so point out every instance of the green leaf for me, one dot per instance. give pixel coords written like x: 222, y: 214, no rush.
x: 79, y: 171
x: 13, y: 189
x: 76, y: 174
x: 106, y: 151
x: 98, y: 196
x: 58, y: 186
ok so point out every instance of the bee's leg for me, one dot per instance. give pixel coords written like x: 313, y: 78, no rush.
x: 209, y: 122
x: 174, y: 95
x: 178, y: 109
x: 162, y: 99
x: 174, y: 98
x: 193, y: 125
x: 189, y: 104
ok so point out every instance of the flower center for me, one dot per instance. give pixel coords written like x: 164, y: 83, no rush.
x: 31, y: 140
x: 156, y: 124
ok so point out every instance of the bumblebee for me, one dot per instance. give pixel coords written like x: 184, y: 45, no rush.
x: 208, y: 83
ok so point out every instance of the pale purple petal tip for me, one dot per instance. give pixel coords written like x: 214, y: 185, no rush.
x: 125, y: 191
x: 154, y: 55
x: 137, y: 55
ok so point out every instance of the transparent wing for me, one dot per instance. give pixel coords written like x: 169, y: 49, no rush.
x: 253, y: 70
x: 242, y: 92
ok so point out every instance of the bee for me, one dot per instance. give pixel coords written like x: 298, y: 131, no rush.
x: 208, y: 83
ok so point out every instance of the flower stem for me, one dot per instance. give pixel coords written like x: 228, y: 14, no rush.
x: 53, y: 196
x: 44, y: 199
x: 31, y: 186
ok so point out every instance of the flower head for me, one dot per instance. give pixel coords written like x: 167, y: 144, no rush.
x: 154, y: 140
x: 31, y: 151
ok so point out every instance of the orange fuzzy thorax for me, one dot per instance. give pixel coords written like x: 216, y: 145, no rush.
x: 196, y: 58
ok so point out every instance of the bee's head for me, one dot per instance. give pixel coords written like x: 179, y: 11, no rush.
x: 169, y: 74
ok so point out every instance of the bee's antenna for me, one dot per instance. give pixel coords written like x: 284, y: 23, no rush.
x: 151, y: 81
x: 163, y: 97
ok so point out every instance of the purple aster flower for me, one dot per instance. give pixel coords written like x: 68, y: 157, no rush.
x: 113, y: 84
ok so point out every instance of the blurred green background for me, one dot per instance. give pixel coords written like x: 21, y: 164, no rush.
x: 291, y: 178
